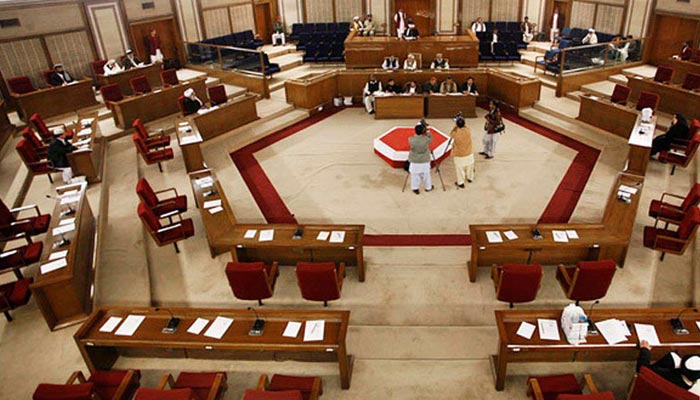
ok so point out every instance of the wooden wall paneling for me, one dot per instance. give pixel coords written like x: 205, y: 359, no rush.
x: 107, y: 26
x: 582, y: 15
x: 505, y: 10
x: 609, y: 19
x: 216, y: 22
x: 423, y: 13
x: 471, y: 10
x: 134, y: 11
x: 242, y: 18
x: 380, y: 13
x: 24, y: 57
x: 73, y: 51
x: 263, y: 20
x: 669, y: 32
x: 170, y: 40
x: 345, y: 10
x: 319, y: 10
x: 447, y: 16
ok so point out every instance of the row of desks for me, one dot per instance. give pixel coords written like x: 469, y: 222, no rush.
x: 672, y: 97
x: 419, y: 106
x: 53, y: 101
x: 123, y: 79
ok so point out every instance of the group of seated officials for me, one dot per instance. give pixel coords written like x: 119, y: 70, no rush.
x: 374, y: 87
x: 412, y: 64
x: 129, y: 61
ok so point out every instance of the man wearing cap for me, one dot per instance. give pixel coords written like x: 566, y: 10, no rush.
x: 371, y: 87
x: 590, y: 38
x: 58, y: 153
x: 130, y: 61
x: 439, y: 62
x: 59, y: 76
x: 192, y: 102
x: 419, y: 158
x: 112, y: 68
x: 449, y: 86
x: 683, y: 372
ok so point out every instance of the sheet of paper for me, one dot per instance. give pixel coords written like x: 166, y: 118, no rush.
x: 628, y: 189
x: 70, y: 199
x: 548, y: 329
x: 66, y: 221
x: 197, y: 326
x: 218, y: 328
x: 58, y: 254
x: 697, y: 323
x: 560, y: 236
x: 624, y: 328
x: 130, y: 325
x: 526, y: 330
x: 266, y: 235
x: 250, y: 234
x: 63, y: 229
x: 337, y: 237
x: 510, y: 235
x: 323, y: 235
x: 292, y: 329
x: 494, y: 237
x: 111, y: 323
x: 9, y: 253
x: 313, y: 330
x: 189, y: 139
x: 54, y: 265
x: 572, y: 234
x: 215, y: 210
x: 648, y: 333
x: 611, y: 331
x: 212, y: 203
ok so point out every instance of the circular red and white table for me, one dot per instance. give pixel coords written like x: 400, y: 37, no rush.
x: 393, y: 146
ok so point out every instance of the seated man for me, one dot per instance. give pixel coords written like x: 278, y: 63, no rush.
x: 59, y: 76
x: 390, y: 62
x: 683, y: 372
x: 57, y: 153
x: 368, y: 27
x: 495, y: 35
x: 356, y: 25
x: 412, y: 32
x: 439, y: 62
x: 470, y: 87
x: 590, y: 38
x: 372, y: 86
x: 112, y: 68
x: 392, y: 88
x: 449, y: 86
x: 686, y: 51
x: 478, y: 25
x: 432, y: 86
x: 130, y: 61
x: 410, y: 64
x: 192, y: 102
x: 528, y: 30
x: 412, y: 88
x: 278, y: 38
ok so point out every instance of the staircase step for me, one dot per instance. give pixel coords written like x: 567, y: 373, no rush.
x: 645, y: 71
x: 618, y: 78
x: 288, y: 61
x: 276, y: 51
x: 602, y: 88
x: 575, y: 96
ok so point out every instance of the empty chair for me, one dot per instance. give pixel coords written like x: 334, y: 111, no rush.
x: 674, y: 242
x: 164, y: 206
x: 11, y: 226
x: 154, y: 155
x: 311, y: 387
x: 550, y: 387
x: 14, y: 295
x: 646, y: 99
x: 647, y: 385
x: 107, y: 385
x: 546, y: 60
x: 664, y: 74
x: 20, y: 85
x: 516, y: 283
x: 681, y: 155
x: 45, y: 131
x: 33, y: 161
x: 48, y: 391
x: 20, y: 257
x: 36, y: 141
x: 111, y: 93
x: 98, y: 67
x: 499, y: 52
x: 513, y: 53
x: 320, y: 281
x: 588, y: 280
x: 620, y: 94
x: 158, y: 394
x: 152, y: 141
x: 164, y: 235
x: 251, y: 394
x: 217, y: 95
x: 485, y: 53
x: 204, y: 385
x: 672, y: 213
x: 140, y: 85
x: 169, y: 77
x: 252, y: 281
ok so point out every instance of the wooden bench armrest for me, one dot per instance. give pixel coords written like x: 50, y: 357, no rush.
x: 588, y: 381
x: 263, y: 382
x: 565, y: 274
x: 76, y: 376
x: 129, y: 379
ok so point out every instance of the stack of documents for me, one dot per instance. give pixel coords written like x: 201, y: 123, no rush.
x: 205, y: 182
x: 214, y: 206
x: 85, y: 132
x: 548, y: 329
x: 560, y: 236
x: 626, y: 192
x: 337, y: 237
x: 613, y: 330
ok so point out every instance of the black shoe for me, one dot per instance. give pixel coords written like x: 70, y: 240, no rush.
x: 459, y: 186
x: 416, y: 191
x: 489, y: 157
x: 371, y: 112
x: 427, y: 190
x: 469, y: 180
x: 482, y: 153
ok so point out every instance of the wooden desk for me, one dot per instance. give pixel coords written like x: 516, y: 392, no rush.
x: 369, y: 52
x: 217, y: 226
x: 87, y: 161
x: 227, y: 117
x: 288, y: 251
x: 640, y: 141
x: 54, y: 101
x: 65, y: 295
x: 447, y: 106
x: 513, y: 89
x: 189, y: 140
x: 154, y: 105
x: 619, y: 214
x: 101, y: 350
x: 312, y: 90
x: 672, y: 98
x: 515, y: 349
x: 682, y: 68
x: 614, y: 118
x: 399, y: 106
x: 122, y: 79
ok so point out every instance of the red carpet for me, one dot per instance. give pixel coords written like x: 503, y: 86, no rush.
x: 559, y: 209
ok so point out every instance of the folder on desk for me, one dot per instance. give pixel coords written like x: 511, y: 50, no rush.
x: 111, y: 323
x: 292, y: 329
x: 337, y: 237
x: 560, y: 236
x: 494, y: 237
x: 647, y: 332
x: 548, y: 329
x: 130, y: 325
x: 218, y: 328
x: 197, y: 326
x: 54, y: 265
x: 58, y: 254
x: 313, y: 330
x: 266, y: 235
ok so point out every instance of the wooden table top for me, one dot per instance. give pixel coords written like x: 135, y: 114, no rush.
x: 589, y: 235
x: 284, y: 232
x: 219, y: 225
x: 53, y: 89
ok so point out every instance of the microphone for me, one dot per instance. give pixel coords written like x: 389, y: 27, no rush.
x: 64, y: 213
x: 258, y: 324
x: 592, y: 330
x: 677, y: 323
x: 171, y: 326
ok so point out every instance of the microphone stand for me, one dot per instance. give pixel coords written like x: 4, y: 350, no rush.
x: 258, y: 324
x: 677, y: 324
x: 173, y: 322
x: 592, y: 330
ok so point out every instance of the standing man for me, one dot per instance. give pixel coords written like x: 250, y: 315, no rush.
x: 59, y: 76
x: 130, y: 61
x: 478, y: 26
x: 278, y: 38
x: 371, y: 87
x: 493, y: 118
x: 400, y: 21
x: 527, y: 28
x: 419, y: 159
x: 462, y: 152
x: 556, y: 22
x: 153, y: 44
x: 369, y: 27
x: 58, y: 153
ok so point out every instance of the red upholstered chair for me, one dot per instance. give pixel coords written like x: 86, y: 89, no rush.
x: 588, y: 280
x: 111, y: 93
x: 204, y: 385
x: 47, y: 77
x: 320, y: 281
x: 40, y: 148
x: 14, y: 259
x: 12, y: 227
x: 550, y: 387
x: 98, y: 67
x: 516, y: 283
x: 109, y: 385
x: 13, y: 295
x: 20, y: 85
x: 152, y: 156
x: 663, y: 74
x: 672, y: 213
x: 35, y: 164
x: 157, y: 394
x: 48, y: 391
x: 646, y: 99
x: 691, y: 81
x: 153, y: 141
x: 181, y: 104
x: 681, y: 155
x: 590, y: 396
x: 674, y: 242
x: 140, y: 85
x: 252, y: 281
x: 45, y: 131
x: 647, y: 385
x: 169, y: 77
x: 217, y: 95
x: 311, y: 387
x: 164, y: 235
x: 161, y: 207
x: 620, y: 94
x: 251, y: 394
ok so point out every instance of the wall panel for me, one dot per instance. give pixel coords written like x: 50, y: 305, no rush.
x: 34, y: 21
x: 135, y: 12
x: 447, y: 15
x: 690, y: 9
x: 24, y: 57
x: 637, y: 17
x: 290, y: 12
x: 505, y: 10
x: 216, y: 22
x: 242, y: 18
x: 108, y: 29
x: 345, y: 10
x: 380, y: 13
x: 609, y: 19
x: 319, y: 10
x: 582, y: 15
x: 471, y: 10
x: 188, y: 15
x: 73, y: 51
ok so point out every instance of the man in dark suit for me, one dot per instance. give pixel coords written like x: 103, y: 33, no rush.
x: 130, y: 61
x: 58, y: 153
x: 470, y: 87
x: 432, y: 86
x: 59, y: 76
x: 192, y: 102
